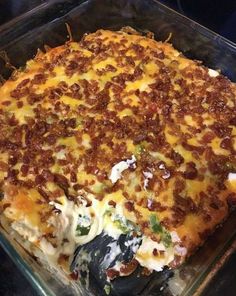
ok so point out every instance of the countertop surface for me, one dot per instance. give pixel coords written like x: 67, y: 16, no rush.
x: 220, y: 16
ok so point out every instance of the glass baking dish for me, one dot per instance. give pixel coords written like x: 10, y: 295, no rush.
x: 21, y: 38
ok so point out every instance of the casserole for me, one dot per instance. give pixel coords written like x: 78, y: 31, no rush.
x: 133, y: 3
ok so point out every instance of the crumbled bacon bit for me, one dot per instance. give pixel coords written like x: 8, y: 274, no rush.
x: 112, y: 273
x: 34, y: 98
x: 6, y: 103
x: 19, y: 92
x: 24, y: 169
x: 178, y: 159
x: 43, y: 193
x: 48, y: 176
x: 221, y: 130
x: 112, y: 203
x: 129, y: 206
x: 19, y: 104
x: 39, y: 180
x: 61, y: 181
x: 23, y: 83
x: 73, y: 177
x: 128, y: 268
x: 190, y: 171
x: 226, y: 143
x: 39, y: 79
x: 208, y: 137
x: 155, y: 252
x: 74, y: 275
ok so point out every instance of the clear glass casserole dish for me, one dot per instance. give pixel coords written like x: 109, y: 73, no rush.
x: 46, y: 26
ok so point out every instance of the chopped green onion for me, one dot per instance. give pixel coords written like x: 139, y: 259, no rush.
x: 157, y: 228
x: 140, y: 148
x: 122, y: 226
x: 81, y: 230
x: 155, y: 224
x: 107, y: 289
x: 83, y: 226
x: 166, y: 238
